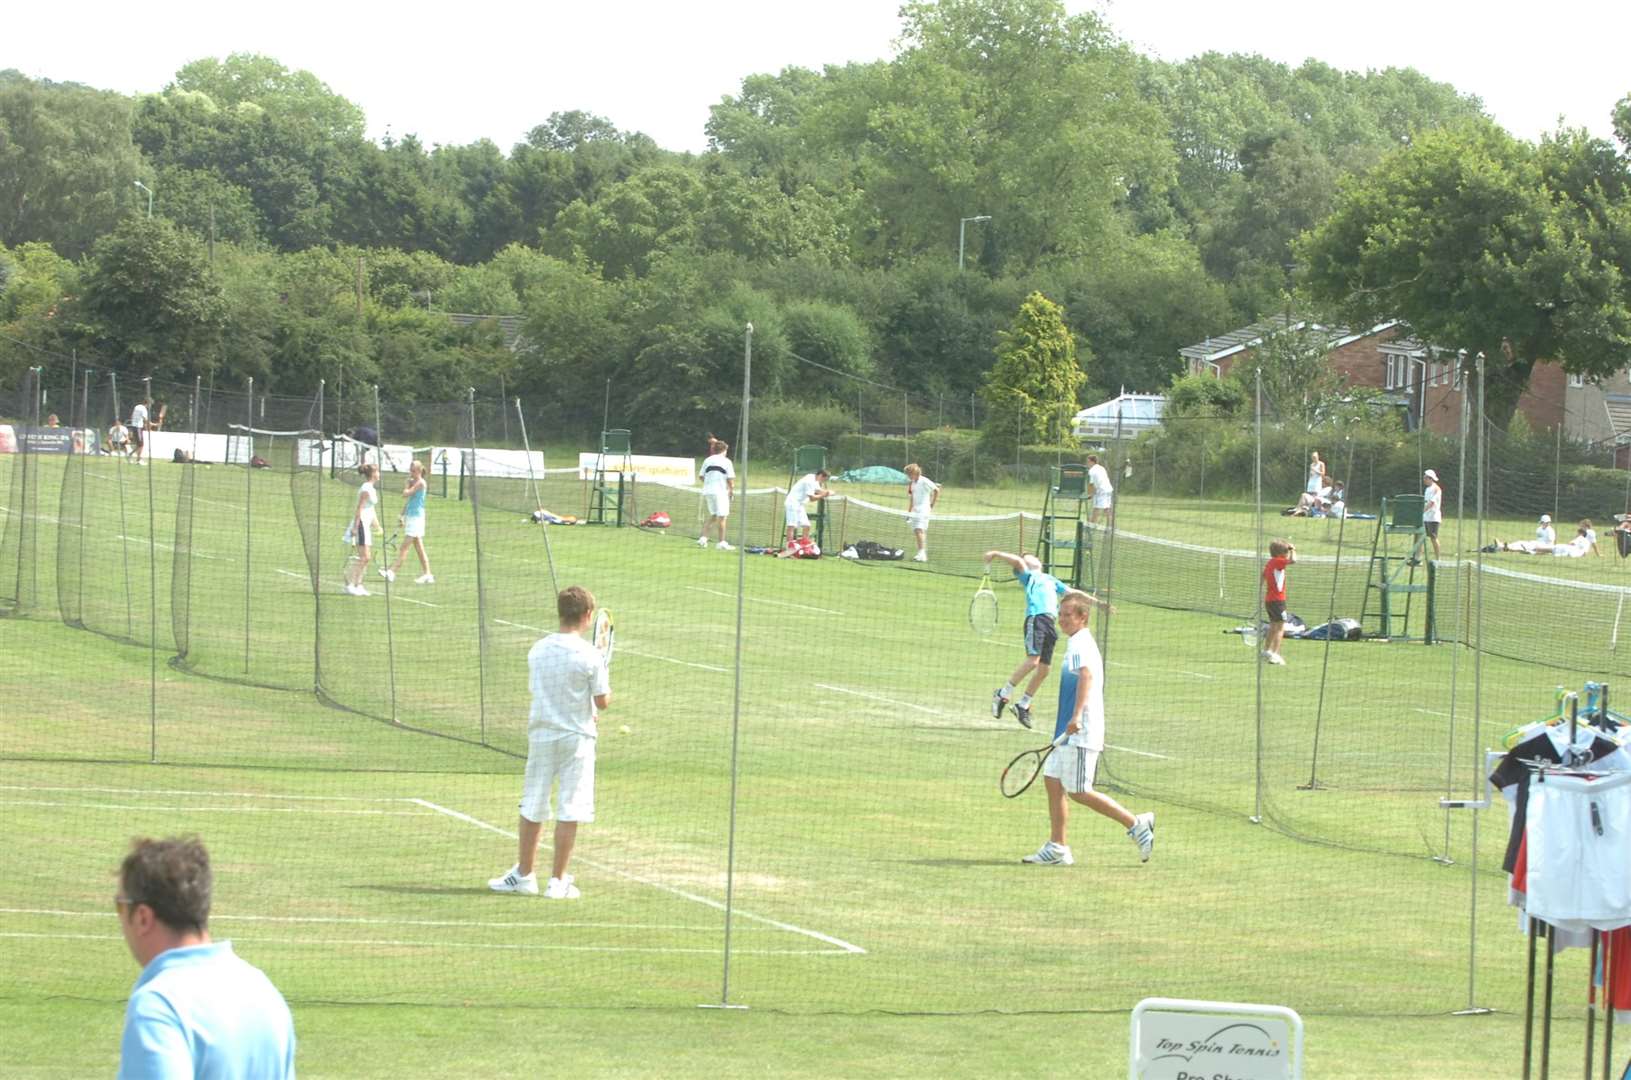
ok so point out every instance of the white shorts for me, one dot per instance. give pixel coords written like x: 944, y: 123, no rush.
x: 1074, y: 767
x: 719, y: 503
x: 797, y: 518
x: 1102, y: 499
x: 569, y: 761
x: 918, y: 522
x: 413, y: 526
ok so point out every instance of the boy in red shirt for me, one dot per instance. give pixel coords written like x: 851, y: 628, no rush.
x: 1282, y: 554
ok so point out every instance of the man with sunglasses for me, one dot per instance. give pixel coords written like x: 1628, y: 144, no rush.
x: 197, y: 1010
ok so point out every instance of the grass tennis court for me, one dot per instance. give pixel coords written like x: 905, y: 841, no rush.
x: 883, y: 924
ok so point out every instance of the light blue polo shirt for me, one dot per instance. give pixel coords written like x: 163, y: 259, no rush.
x: 202, y: 1012
x: 1042, y: 592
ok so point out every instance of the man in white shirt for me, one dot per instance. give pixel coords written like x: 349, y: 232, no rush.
x: 570, y: 686
x: 1098, y: 478
x: 809, y: 486
x: 1543, y: 532
x: 718, y: 485
x: 1432, y: 509
x: 1070, y: 770
x: 138, y: 429
x: 921, y: 495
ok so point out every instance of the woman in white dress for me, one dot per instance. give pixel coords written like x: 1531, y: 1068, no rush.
x: 1316, y: 474
x: 364, y: 524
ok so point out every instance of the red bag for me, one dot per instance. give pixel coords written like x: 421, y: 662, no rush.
x: 658, y: 520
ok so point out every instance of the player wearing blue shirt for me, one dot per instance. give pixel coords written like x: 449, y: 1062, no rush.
x: 197, y: 1010
x: 413, y: 527
x: 1042, y: 593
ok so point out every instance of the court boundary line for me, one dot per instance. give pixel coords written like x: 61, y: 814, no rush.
x: 340, y: 920
x: 498, y: 946
x: 845, y: 946
x: 762, y: 600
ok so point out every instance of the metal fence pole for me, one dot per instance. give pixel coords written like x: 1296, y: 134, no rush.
x: 384, y: 547
x: 537, y: 501
x: 1257, y: 484
x: 119, y: 476
x: 152, y: 587
x: 481, y: 591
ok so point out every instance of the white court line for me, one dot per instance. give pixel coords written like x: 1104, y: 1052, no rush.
x: 211, y: 794
x: 758, y: 600
x: 443, y: 944
x: 671, y: 890
x: 161, y: 544
x: 211, y: 809
x: 353, y: 920
x: 1432, y: 712
x: 1197, y: 675
x: 522, y: 626
x: 217, y: 502
x: 411, y: 600
x: 886, y: 701
x: 1138, y: 753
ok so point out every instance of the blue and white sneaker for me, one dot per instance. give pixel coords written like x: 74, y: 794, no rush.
x: 1022, y: 713
x: 513, y: 882
x: 998, y: 703
x: 1051, y: 854
x: 1143, y: 834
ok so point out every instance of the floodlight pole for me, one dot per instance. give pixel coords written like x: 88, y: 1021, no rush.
x: 962, y: 227
x: 149, y: 191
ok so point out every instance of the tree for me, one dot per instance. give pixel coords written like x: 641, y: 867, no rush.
x: 1482, y: 242
x: 1031, y: 392
x: 66, y: 163
x: 260, y: 80
x: 151, y: 301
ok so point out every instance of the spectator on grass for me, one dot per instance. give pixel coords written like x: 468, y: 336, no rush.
x: 1544, y: 533
x: 197, y: 1009
x: 118, y: 438
x: 1316, y: 474
x: 1338, y: 504
x: 52, y: 421
x: 1432, y: 507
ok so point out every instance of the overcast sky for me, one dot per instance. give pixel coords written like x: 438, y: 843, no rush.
x: 457, y: 73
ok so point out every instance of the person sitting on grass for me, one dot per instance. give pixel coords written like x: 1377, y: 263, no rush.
x: 1584, y: 540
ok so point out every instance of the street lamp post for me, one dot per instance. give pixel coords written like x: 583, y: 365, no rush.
x: 149, y: 191
x: 962, y: 227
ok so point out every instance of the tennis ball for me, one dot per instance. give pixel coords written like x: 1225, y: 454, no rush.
x: 625, y: 730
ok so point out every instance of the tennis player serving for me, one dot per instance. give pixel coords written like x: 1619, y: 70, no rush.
x: 1042, y: 593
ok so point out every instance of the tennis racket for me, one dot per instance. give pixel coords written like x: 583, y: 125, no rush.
x: 1022, y: 772
x: 604, y: 634
x: 982, y: 610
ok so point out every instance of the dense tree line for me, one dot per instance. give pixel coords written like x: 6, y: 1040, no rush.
x: 1155, y: 203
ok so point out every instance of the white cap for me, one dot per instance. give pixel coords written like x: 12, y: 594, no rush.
x: 1431, y: 475
x: 1546, y: 519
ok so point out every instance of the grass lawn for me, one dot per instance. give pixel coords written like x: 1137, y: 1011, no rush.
x: 882, y: 923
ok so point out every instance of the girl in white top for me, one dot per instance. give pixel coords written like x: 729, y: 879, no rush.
x: 413, y: 527
x: 1316, y: 474
x: 364, y: 524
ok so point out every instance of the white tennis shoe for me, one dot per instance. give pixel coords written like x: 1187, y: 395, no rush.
x: 560, y: 888
x: 388, y: 575
x: 1050, y: 854
x: 922, y: 556
x: 513, y: 882
x: 702, y: 541
x: 425, y: 579
x: 726, y: 545
x: 1143, y: 834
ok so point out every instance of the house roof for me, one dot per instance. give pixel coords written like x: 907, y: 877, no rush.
x: 508, y: 325
x: 1217, y: 348
x: 1619, y: 416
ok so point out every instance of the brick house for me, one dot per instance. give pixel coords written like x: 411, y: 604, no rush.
x: 1421, y: 380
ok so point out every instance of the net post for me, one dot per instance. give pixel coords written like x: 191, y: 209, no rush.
x: 1477, y: 694
x: 249, y: 506
x: 1257, y: 487
x: 119, y: 474
x: 481, y: 592
x: 152, y: 585
x: 379, y: 499
x: 736, y: 678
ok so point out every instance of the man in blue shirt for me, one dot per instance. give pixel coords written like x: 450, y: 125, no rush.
x: 197, y: 1010
x: 1042, y: 593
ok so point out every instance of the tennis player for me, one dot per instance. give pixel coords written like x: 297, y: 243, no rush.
x: 809, y: 486
x: 413, y: 526
x: 1070, y: 769
x: 364, y: 524
x: 569, y: 688
x: 1104, y: 492
x: 138, y: 428
x: 1042, y: 593
x: 1432, y: 508
x: 718, y: 485
x: 921, y: 495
